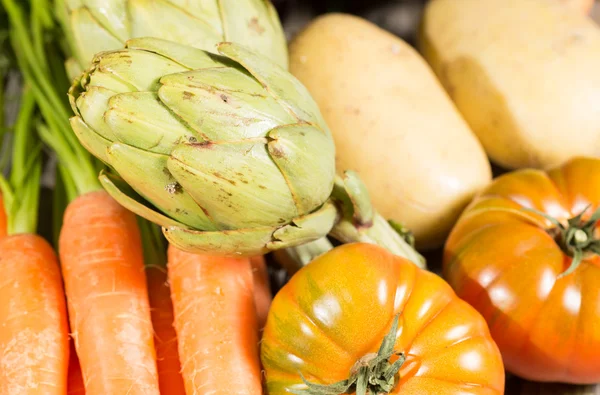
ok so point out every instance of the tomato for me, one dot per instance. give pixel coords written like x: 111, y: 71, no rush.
x: 337, y: 310
x: 514, y: 266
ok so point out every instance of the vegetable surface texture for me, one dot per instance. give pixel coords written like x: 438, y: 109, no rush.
x: 535, y: 275
x: 216, y: 323
x: 93, y: 26
x: 523, y: 73
x: 3, y: 219
x: 583, y: 6
x: 230, y: 149
x: 335, y: 314
x: 34, y: 341
x: 103, y: 269
x: 165, y: 336
x: 75, y: 385
x: 34, y: 331
x: 262, y: 289
x: 392, y: 122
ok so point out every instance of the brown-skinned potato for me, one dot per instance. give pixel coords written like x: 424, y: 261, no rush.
x: 524, y: 74
x: 392, y: 122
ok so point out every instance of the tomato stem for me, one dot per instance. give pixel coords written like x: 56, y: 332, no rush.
x: 577, y: 238
x: 372, y: 374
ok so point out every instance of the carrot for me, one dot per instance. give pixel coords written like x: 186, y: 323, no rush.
x: 34, y: 341
x: 34, y: 334
x: 262, y: 289
x: 216, y: 323
x: 75, y: 384
x: 99, y: 243
x: 103, y: 270
x: 165, y: 338
x: 3, y: 219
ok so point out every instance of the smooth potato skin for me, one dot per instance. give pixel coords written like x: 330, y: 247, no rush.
x: 392, y: 122
x: 524, y: 73
x: 584, y: 6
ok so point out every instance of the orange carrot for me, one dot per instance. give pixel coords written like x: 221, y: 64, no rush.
x: 165, y: 338
x: 3, y: 219
x: 34, y: 334
x: 75, y: 384
x: 262, y: 289
x: 105, y: 283
x: 216, y: 323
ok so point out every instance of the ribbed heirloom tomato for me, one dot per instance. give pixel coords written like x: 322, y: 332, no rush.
x: 517, y: 268
x: 331, y: 319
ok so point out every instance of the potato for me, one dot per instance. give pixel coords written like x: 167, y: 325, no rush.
x: 392, y: 122
x: 583, y: 6
x: 524, y: 73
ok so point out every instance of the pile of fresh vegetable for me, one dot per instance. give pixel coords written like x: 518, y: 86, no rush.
x: 164, y: 161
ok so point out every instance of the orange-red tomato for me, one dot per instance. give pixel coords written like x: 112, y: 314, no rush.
x: 338, y: 309
x: 506, y: 262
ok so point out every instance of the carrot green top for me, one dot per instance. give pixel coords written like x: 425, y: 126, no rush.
x: 42, y: 68
x: 21, y: 190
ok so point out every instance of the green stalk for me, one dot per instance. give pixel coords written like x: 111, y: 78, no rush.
x: 359, y: 222
x: 374, y: 373
x: 64, y: 191
x: 155, y: 254
x: 24, y: 44
x: 37, y: 72
x: 3, y: 128
x: 21, y: 191
x: 21, y: 137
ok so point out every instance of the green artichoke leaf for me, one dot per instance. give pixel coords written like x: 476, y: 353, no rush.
x: 111, y: 15
x: 208, y: 10
x: 188, y: 57
x: 220, y: 115
x: 281, y: 84
x: 306, y: 229
x: 62, y: 10
x: 90, y: 140
x: 134, y: 69
x: 306, y: 158
x: 236, y: 183
x: 139, y: 119
x: 129, y: 199
x: 255, y: 24
x: 162, y: 19
x: 229, y: 80
x: 102, y: 79
x: 92, y: 104
x: 147, y: 174
x: 74, y: 92
x: 73, y: 4
x: 89, y: 37
x: 73, y: 69
x: 241, y: 242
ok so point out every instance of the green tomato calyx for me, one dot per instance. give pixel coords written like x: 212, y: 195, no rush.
x: 577, y: 238
x: 374, y: 373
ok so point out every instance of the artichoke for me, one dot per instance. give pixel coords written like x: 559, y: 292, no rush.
x: 92, y: 26
x: 228, y: 152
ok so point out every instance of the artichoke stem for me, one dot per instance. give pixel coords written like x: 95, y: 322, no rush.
x: 361, y: 223
x: 380, y: 233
